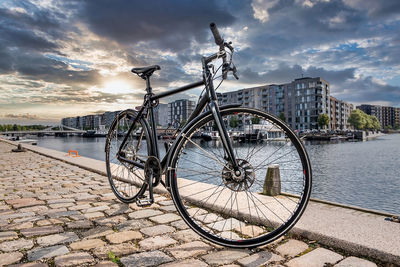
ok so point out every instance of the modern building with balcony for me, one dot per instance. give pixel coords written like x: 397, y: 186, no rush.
x: 300, y: 102
x: 179, y: 111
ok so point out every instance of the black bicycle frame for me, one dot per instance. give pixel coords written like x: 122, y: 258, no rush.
x: 210, y: 98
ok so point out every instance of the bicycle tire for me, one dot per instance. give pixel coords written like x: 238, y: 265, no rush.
x: 198, y: 194
x: 126, y: 180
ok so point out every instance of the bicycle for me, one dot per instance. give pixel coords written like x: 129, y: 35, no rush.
x: 214, y: 184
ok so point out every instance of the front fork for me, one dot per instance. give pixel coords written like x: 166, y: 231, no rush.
x: 223, y: 133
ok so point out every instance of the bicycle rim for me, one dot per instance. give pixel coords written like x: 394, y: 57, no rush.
x: 232, y: 210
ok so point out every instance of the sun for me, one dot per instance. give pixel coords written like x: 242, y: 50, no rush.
x: 116, y: 87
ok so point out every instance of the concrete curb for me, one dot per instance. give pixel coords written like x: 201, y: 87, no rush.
x: 358, y: 231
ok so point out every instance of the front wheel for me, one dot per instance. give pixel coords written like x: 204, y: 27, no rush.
x: 251, y: 207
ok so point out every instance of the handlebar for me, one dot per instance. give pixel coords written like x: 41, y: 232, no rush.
x: 218, y: 39
x: 226, y: 66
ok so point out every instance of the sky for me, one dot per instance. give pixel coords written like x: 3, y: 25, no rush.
x: 64, y: 58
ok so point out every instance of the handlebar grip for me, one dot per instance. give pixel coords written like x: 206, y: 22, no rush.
x: 218, y: 39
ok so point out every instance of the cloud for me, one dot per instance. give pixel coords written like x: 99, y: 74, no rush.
x: 21, y: 116
x: 163, y: 24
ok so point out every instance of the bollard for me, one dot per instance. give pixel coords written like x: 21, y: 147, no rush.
x: 18, y: 149
x: 272, y: 183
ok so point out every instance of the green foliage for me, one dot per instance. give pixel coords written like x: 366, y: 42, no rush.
x: 16, y: 127
x: 361, y: 121
x: 255, y: 120
x: 113, y: 258
x: 282, y: 116
x: 234, y: 122
x: 323, y: 120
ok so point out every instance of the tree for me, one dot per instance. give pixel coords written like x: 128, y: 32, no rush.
x: 234, y: 122
x: 282, y: 116
x: 255, y: 120
x: 323, y: 120
x: 357, y: 119
x: 375, y: 123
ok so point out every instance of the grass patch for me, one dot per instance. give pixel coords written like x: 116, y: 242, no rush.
x: 112, y: 257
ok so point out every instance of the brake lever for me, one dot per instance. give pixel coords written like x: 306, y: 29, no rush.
x: 234, y: 72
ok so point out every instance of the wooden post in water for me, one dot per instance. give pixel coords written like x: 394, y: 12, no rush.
x: 272, y: 183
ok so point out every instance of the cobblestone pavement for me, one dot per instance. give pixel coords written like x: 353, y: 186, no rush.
x: 56, y: 214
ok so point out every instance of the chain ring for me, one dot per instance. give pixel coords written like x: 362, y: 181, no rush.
x: 152, y: 167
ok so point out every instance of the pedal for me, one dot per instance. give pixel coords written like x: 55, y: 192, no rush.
x: 144, y: 202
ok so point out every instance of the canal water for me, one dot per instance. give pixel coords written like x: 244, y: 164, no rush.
x: 364, y: 174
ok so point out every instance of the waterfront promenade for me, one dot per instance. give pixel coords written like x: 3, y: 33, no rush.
x: 63, y: 213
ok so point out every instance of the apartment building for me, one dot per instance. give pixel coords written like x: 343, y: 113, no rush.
x: 179, y: 111
x: 387, y: 116
x: 300, y: 102
x: 340, y: 112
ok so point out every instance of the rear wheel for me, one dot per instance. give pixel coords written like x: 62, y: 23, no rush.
x: 240, y: 209
x: 127, y: 180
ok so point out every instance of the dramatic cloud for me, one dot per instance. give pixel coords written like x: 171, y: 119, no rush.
x: 65, y: 58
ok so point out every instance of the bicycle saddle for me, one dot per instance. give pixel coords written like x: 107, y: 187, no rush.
x: 145, y: 71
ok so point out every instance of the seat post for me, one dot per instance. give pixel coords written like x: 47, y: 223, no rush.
x: 148, y: 87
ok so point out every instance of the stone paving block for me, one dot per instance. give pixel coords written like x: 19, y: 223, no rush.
x: 106, y: 264
x: 87, y: 244
x: 65, y: 213
x: 317, y: 258
x: 60, y: 200
x: 122, y: 237
x: 186, y: 263
x: 44, y: 230
x: 17, y: 215
x: 187, y: 235
x: 157, y: 230
x: 78, y: 258
x: 166, y: 202
x: 165, y: 218
x: 208, y: 218
x: 47, y: 252
x: 93, y: 215
x: 145, y: 213
x: 97, y: 232
x: 134, y: 224
x: 28, y: 219
x: 83, y: 224
x: 8, y: 235
x: 153, y: 258
x: 24, y: 202
x: 118, y: 250
x: 95, y: 209
x: 260, y: 259
x: 355, y: 262
x: 170, y: 208
x: 55, y: 239
x: 118, y: 209
x: 181, y: 225
x: 111, y: 221
x: 8, y: 258
x: 191, y: 249
x: 292, y: 248
x: 249, y: 230
x: 30, y: 264
x: 18, y: 226
x: 34, y: 209
x: 156, y: 242
x: 80, y: 207
x: 225, y: 225
x: 14, y: 245
x: 225, y: 256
